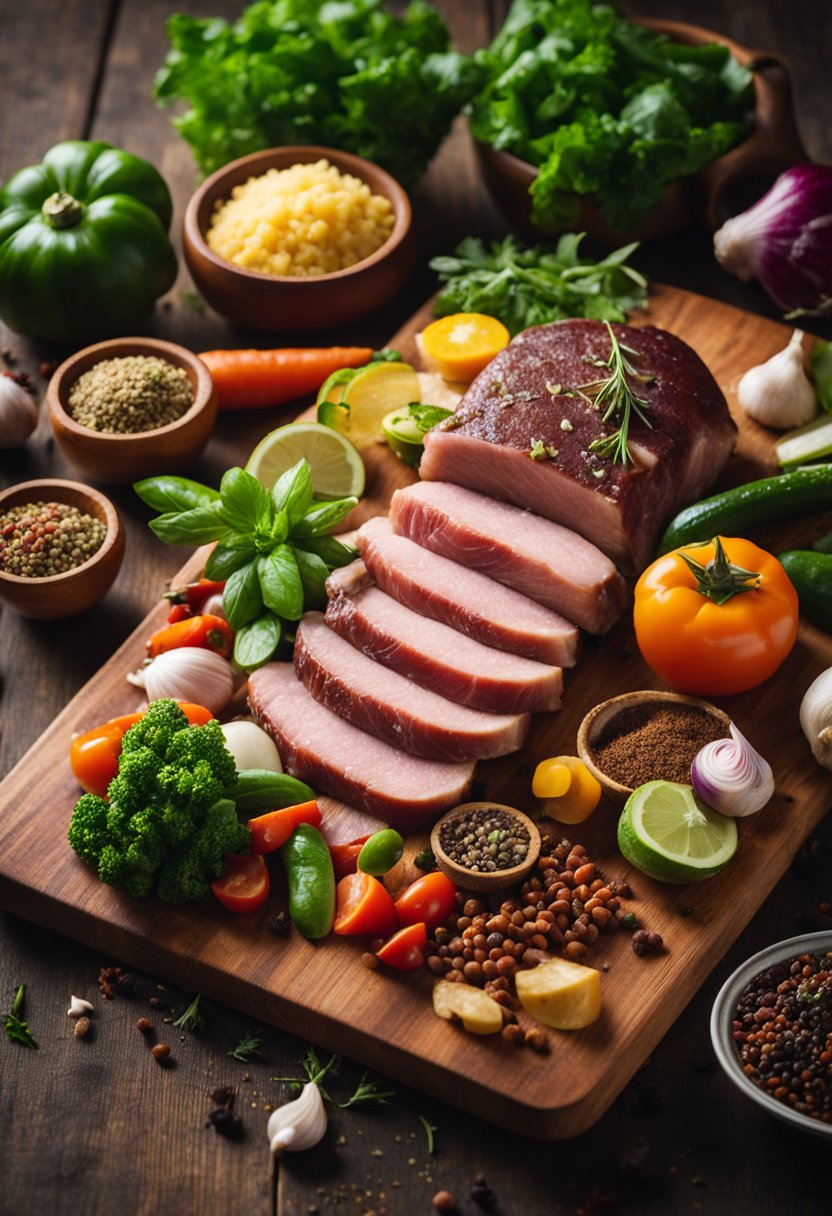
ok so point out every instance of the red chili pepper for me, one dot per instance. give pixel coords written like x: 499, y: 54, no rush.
x: 195, y: 595
x: 208, y: 632
x: 179, y: 612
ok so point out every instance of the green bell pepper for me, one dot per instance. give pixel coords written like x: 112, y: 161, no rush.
x: 84, y: 251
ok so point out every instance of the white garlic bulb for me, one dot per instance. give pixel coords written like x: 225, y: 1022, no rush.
x: 778, y: 392
x: 190, y: 674
x: 18, y: 413
x: 78, y: 1006
x: 300, y: 1124
x: 816, y: 717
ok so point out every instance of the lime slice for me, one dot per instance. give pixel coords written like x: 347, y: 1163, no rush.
x: 667, y: 832
x: 366, y: 398
x: 405, y: 438
x: 336, y: 467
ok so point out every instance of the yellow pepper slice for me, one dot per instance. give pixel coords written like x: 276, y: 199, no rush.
x: 567, y: 788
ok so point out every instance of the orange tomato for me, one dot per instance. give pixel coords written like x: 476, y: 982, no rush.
x: 270, y: 831
x: 430, y: 899
x: 700, y: 645
x: 244, y: 887
x: 345, y: 856
x: 405, y: 950
x: 364, y: 906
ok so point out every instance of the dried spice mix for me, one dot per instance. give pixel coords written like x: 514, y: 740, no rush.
x: 129, y: 395
x: 40, y: 539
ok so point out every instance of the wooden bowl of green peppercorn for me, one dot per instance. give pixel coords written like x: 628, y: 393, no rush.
x: 88, y: 554
x: 126, y: 386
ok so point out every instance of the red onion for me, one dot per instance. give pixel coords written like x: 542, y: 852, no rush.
x: 785, y: 241
x: 730, y: 776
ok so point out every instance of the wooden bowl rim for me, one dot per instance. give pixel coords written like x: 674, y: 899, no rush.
x: 604, y: 711
x: 368, y: 171
x: 477, y: 880
x: 82, y: 361
x: 51, y: 489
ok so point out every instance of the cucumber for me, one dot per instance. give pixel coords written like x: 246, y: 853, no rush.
x: 258, y: 789
x: 808, y: 443
x: 311, y: 880
x: 734, y: 512
x: 811, y: 576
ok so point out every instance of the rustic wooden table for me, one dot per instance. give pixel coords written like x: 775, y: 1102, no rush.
x: 95, y: 1125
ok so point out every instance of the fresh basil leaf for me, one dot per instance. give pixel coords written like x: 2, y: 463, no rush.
x: 195, y: 527
x: 292, y: 491
x: 322, y: 516
x: 232, y: 552
x: 280, y: 525
x: 313, y: 575
x: 330, y: 550
x: 256, y: 642
x: 280, y: 583
x: 171, y: 494
x: 241, y: 599
x: 246, y: 503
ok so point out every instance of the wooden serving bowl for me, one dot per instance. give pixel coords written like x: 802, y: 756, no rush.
x: 473, y: 880
x: 294, y: 302
x: 598, y: 718
x: 115, y: 458
x: 724, y: 187
x: 62, y: 595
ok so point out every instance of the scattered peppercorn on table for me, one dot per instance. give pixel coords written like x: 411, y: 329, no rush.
x: 654, y: 1149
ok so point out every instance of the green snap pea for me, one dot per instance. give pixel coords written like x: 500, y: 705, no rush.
x: 311, y: 880
x: 381, y: 852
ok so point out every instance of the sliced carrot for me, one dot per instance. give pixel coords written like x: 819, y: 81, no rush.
x: 461, y: 345
x: 256, y: 379
x: 270, y: 831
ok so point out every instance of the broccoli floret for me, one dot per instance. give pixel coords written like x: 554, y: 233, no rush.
x: 166, y: 827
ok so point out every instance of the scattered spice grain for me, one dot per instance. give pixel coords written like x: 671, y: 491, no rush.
x: 41, y: 539
x: 654, y: 742
x: 129, y: 395
x: 160, y: 1052
x: 82, y: 1027
x: 144, y: 1026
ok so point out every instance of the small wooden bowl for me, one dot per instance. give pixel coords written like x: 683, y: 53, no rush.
x: 726, y: 186
x: 497, y: 880
x: 62, y: 595
x: 115, y: 458
x: 600, y: 717
x: 292, y: 302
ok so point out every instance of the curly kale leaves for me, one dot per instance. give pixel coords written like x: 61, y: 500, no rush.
x: 605, y: 107
x: 343, y: 73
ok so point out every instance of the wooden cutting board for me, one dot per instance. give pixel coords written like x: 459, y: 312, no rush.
x: 321, y: 992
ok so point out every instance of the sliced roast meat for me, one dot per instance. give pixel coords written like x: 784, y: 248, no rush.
x: 541, y: 559
x: 341, y: 824
x: 389, y: 706
x: 536, y: 397
x: 440, y: 658
x: 467, y: 601
x: 338, y: 759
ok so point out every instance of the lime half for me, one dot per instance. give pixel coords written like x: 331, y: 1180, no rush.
x: 366, y: 398
x: 337, y: 468
x: 405, y: 438
x: 667, y: 832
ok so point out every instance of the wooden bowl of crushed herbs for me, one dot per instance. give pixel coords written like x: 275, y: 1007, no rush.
x: 646, y: 736
x: 131, y: 408
x: 485, y: 846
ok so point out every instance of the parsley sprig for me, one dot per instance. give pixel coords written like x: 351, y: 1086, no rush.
x: 366, y: 1093
x: 247, y: 1049
x: 191, y: 1019
x: 616, y: 399
x: 15, y: 1027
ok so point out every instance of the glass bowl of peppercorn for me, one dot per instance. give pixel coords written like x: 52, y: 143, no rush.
x: 61, y: 545
x: 132, y: 408
x: 771, y: 1028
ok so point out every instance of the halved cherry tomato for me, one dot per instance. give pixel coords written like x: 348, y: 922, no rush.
x: 244, y: 887
x: 405, y: 950
x: 179, y: 612
x: 207, y: 631
x: 345, y: 856
x: 270, y: 831
x: 430, y: 899
x: 93, y: 756
x: 364, y: 906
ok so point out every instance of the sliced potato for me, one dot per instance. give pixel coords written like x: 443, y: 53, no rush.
x: 561, y: 994
x: 477, y: 1012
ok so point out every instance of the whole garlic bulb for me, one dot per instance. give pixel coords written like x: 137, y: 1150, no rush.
x: 18, y: 412
x: 300, y: 1124
x: 816, y: 717
x: 778, y: 393
x: 190, y: 674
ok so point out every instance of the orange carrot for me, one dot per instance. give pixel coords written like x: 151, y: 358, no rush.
x: 255, y: 379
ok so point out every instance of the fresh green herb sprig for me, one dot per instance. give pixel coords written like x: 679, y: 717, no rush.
x: 15, y: 1028
x: 524, y: 287
x: 430, y: 1128
x: 616, y: 399
x: 247, y: 1049
x: 191, y: 1019
x: 273, y: 549
x: 366, y: 1093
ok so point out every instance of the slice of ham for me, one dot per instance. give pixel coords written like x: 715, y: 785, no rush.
x: 338, y: 759
x: 389, y: 706
x: 440, y: 658
x: 342, y: 824
x: 461, y: 598
x: 541, y: 559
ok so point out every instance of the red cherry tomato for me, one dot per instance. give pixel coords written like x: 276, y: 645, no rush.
x: 270, y: 831
x: 431, y: 899
x: 364, y: 906
x: 405, y: 950
x: 345, y: 856
x: 244, y: 887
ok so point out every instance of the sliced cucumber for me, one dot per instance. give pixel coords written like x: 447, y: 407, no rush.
x: 806, y: 443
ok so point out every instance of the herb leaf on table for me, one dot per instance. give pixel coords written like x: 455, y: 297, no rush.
x: 247, y: 1049
x: 15, y: 1028
x: 191, y: 1019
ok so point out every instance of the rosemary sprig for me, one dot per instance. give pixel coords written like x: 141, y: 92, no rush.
x: 191, y: 1019
x: 617, y: 401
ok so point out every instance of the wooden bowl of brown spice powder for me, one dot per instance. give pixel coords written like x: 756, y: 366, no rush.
x: 646, y: 736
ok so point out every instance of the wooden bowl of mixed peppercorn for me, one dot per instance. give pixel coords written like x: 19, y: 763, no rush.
x: 131, y: 408
x: 485, y: 846
x: 61, y: 546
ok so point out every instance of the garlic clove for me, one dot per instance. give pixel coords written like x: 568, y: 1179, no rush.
x: 78, y: 1007
x: 299, y: 1124
x: 190, y: 674
x: 778, y: 393
x: 816, y: 717
x: 18, y: 412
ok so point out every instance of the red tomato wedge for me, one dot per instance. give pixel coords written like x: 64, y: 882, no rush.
x: 405, y: 950
x: 345, y: 856
x: 431, y: 899
x: 364, y: 906
x: 270, y: 831
x: 244, y: 887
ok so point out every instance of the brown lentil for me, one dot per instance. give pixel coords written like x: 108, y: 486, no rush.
x: 129, y: 395
x: 82, y: 1027
x: 646, y: 743
x: 484, y: 840
x: 443, y: 1201
x: 144, y: 1026
x: 40, y: 539
x: 160, y: 1052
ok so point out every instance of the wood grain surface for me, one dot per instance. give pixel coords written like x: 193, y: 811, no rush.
x: 96, y: 1124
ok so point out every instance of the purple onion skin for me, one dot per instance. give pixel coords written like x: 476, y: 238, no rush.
x: 785, y: 241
